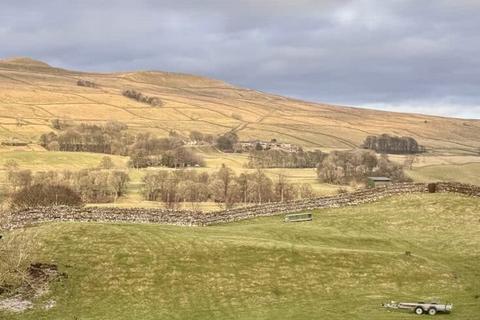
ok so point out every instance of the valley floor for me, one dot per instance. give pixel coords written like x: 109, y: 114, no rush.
x: 427, y: 168
x: 342, y: 265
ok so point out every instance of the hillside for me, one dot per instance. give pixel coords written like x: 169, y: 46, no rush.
x: 342, y: 265
x: 33, y: 93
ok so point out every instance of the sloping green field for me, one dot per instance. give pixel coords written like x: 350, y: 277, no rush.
x: 342, y: 265
x: 466, y: 173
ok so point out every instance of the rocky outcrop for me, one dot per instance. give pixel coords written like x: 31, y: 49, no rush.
x: 195, y: 218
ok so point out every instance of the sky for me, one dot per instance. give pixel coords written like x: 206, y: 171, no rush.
x: 400, y: 55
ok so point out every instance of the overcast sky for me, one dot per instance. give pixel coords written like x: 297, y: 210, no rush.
x: 403, y: 55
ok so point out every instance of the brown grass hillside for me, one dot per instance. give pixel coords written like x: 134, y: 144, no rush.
x: 33, y: 93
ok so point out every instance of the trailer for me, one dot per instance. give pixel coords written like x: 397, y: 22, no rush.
x: 432, y: 308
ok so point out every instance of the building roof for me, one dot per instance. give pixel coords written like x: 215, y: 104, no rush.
x: 379, y: 179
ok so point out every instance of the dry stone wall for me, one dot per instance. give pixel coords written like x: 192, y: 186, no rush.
x: 193, y: 218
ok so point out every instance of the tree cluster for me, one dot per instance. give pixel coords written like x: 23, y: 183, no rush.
x: 344, y: 167
x: 110, y: 138
x: 223, y: 187
x: 92, y: 185
x: 140, y: 97
x: 392, y: 144
x: 180, y: 157
x: 282, y: 159
x: 198, y: 136
x: 86, y: 83
x: 227, y: 141
x: 148, y: 151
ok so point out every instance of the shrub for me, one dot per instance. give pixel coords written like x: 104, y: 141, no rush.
x: 342, y: 190
x: 40, y: 195
x: 16, y: 252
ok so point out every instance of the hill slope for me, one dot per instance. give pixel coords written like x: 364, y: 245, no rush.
x: 33, y: 93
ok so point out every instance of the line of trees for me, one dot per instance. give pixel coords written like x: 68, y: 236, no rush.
x: 198, y: 136
x: 344, y: 167
x: 283, y: 159
x: 86, y: 83
x: 392, y: 144
x: 223, y: 186
x: 140, y: 97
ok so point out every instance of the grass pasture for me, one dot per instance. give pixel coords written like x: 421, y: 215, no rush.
x: 342, y: 265
x: 51, y: 160
x: 466, y: 173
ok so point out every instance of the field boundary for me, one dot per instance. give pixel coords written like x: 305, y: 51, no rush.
x: 27, y: 217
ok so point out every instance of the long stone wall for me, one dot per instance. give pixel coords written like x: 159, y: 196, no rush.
x: 192, y: 218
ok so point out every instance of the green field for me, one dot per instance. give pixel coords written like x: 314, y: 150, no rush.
x: 50, y: 160
x: 466, y: 173
x: 342, y: 265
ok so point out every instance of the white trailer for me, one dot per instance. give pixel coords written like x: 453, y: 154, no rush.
x: 432, y: 308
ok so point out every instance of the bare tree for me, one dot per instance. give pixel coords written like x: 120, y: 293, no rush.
x: 409, y: 161
x: 263, y: 187
x: 280, y: 187
x: 223, y: 182
x: 306, y: 191
x: 106, y: 163
x: 243, y: 183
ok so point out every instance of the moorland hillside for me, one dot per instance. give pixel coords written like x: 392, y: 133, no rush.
x: 32, y: 94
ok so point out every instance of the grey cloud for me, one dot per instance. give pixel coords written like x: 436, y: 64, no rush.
x: 397, y: 55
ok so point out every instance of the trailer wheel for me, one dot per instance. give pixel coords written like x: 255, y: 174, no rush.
x: 419, y: 310
x: 432, y: 311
